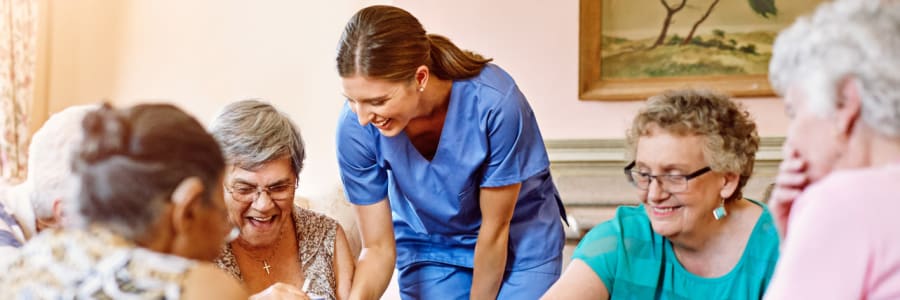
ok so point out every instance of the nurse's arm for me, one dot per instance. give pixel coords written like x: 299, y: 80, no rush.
x: 578, y: 282
x: 497, y: 205
x: 378, y: 255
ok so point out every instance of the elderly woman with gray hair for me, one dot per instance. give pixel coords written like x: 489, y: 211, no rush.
x: 281, y: 246
x: 839, y: 73
x: 694, y: 236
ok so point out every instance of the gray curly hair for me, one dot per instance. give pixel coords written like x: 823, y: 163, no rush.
x: 252, y: 132
x: 850, y: 39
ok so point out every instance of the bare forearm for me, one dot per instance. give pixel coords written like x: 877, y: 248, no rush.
x: 490, y: 264
x: 373, y: 273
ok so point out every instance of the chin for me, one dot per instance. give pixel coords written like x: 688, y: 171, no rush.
x: 664, y: 231
x: 256, y: 242
x: 664, y: 228
x: 390, y: 132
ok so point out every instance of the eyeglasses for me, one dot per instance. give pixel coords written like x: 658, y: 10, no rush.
x: 249, y: 193
x: 670, y: 182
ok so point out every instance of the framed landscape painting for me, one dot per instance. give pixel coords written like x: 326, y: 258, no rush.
x: 633, y: 49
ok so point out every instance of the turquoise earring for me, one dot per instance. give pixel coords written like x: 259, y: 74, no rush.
x: 720, y: 211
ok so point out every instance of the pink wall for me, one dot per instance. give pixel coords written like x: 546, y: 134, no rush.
x: 537, y: 42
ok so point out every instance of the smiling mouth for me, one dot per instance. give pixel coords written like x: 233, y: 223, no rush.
x: 382, y: 124
x: 664, y: 210
x: 261, y: 221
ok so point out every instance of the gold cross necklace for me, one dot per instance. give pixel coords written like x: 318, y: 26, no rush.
x: 265, y: 261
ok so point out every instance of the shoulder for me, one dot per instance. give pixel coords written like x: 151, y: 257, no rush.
x: 832, y: 206
x: 866, y: 181
x: 227, y: 262
x: 310, y: 216
x: 206, y: 281
x: 765, y: 224
x: 833, y: 198
x: 629, y: 222
x: 313, y: 226
x: 764, y: 244
x: 492, y: 81
x: 348, y: 125
x: 346, y: 117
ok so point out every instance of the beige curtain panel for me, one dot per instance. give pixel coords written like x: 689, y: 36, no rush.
x: 18, y: 36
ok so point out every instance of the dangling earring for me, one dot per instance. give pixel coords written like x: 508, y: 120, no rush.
x: 720, y: 211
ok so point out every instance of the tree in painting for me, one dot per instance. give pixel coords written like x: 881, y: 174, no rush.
x: 670, y: 54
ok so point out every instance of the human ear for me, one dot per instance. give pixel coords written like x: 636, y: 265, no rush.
x: 58, y: 213
x: 188, y: 193
x: 730, y: 185
x: 848, y: 107
x: 422, y: 75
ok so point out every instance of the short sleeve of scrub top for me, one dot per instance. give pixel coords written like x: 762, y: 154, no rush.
x: 365, y: 182
x: 516, y: 151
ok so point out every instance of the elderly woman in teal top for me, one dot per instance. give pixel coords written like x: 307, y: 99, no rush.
x: 694, y: 236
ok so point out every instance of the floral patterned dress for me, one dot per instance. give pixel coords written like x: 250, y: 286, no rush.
x: 90, y: 264
x: 315, y: 243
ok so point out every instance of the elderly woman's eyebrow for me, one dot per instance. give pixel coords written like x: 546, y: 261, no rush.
x: 282, y: 181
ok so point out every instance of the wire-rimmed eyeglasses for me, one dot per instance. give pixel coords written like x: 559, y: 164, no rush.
x: 249, y: 193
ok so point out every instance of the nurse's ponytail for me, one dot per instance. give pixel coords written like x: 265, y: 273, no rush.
x: 389, y: 43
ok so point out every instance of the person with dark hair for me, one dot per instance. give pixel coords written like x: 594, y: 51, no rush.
x: 279, y: 242
x: 694, y: 236
x: 147, y: 216
x: 442, y: 157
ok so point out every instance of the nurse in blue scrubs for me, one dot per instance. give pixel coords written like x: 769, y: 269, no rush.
x: 442, y: 157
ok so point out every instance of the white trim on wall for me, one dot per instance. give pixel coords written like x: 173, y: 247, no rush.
x: 588, y: 174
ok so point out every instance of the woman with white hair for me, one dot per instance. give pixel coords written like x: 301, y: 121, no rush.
x: 37, y: 203
x: 839, y: 73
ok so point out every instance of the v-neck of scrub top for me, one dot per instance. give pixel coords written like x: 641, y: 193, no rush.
x: 442, y: 187
x: 437, y: 150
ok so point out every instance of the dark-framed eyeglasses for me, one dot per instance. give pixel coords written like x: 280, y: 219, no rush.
x: 672, y: 183
x: 248, y: 193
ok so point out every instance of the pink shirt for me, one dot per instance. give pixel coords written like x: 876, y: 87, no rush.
x: 843, y: 240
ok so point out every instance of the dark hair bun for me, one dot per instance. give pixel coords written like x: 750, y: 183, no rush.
x: 106, y: 134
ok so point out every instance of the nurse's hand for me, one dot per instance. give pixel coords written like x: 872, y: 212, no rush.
x: 790, y: 182
x: 280, y: 291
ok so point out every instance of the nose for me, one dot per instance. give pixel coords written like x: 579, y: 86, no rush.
x: 363, y: 113
x: 655, y: 191
x: 263, y: 202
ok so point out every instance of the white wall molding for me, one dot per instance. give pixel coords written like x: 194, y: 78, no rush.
x: 588, y: 173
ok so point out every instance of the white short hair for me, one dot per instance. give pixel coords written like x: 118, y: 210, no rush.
x: 845, y: 39
x: 50, y: 158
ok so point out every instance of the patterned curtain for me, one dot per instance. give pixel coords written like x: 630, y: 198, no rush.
x: 18, y: 36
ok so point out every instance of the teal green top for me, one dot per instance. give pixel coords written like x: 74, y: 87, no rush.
x: 636, y: 263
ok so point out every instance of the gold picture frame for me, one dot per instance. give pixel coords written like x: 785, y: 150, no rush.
x: 593, y: 85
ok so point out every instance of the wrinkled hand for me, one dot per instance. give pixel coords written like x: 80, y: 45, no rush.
x: 789, y: 183
x: 280, y: 291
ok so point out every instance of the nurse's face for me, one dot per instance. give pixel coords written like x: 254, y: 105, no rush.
x: 389, y: 106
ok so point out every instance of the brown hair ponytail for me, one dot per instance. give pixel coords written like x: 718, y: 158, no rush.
x: 389, y: 43
x: 450, y: 62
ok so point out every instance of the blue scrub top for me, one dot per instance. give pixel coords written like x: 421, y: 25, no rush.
x: 490, y: 139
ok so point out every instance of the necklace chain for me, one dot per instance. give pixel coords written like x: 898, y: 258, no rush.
x: 264, y: 261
